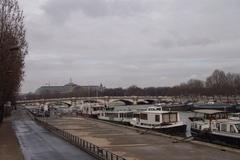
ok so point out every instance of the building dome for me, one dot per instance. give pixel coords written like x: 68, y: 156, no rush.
x: 71, y: 84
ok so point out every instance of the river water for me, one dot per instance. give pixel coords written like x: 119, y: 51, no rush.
x: 184, y: 115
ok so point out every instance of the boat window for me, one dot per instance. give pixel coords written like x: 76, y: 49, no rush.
x: 135, y: 115
x: 173, y: 117
x: 224, y: 127
x: 157, y: 118
x: 151, y: 109
x: 169, y: 117
x: 223, y: 116
x: 111, y: 115
x: 129, y: 115
x: 121, y: 115
x: 159, y: 109
x: 238, y: 127
x: 218, y: 126
x: 195, y: 125
x: 235, y: 115
x: 143, y: 116
x: 232, y: 130
x: 213, y: 116
x: 206, y: 116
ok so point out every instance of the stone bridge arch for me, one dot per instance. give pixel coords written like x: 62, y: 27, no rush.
x: 146, y: 101
x: 69, y: 104
x: 142, y: 102
x: 94, y: 101
x: 125, y: 101
x: 151, y: 101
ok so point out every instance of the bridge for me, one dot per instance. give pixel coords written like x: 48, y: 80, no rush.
x: 107, y: 100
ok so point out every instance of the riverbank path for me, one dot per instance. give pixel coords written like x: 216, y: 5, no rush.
x: 39, y: 144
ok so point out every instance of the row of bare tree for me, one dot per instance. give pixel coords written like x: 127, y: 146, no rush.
x: 13, y: 48
x: 217, y: 84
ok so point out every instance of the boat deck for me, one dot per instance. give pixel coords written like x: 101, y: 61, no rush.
x: 139, y: 145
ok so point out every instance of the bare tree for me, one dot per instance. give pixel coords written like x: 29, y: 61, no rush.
x: 134, y: 91
x: 237, y: 84
x: 13, y: 48
x: 216, y: 85
x: 217, y: 82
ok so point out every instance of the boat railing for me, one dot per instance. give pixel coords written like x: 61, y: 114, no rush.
x: 154, y: 109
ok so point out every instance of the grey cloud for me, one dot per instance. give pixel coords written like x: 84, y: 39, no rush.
x: 121, y: 42
x: 61, y: 10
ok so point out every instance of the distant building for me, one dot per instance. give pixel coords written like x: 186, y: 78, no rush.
x: 68, y: 88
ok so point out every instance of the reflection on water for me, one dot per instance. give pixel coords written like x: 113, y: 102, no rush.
x: 184, y: 116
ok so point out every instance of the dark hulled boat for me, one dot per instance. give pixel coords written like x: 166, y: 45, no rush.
x: 215, y: 127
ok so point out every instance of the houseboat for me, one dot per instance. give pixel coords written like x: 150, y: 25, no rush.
x: 92, y: 109
x: 116, y: 116
x: 156, y: 119
x: 234, y: 116
x: 214, y: 106
x: 215, y: 127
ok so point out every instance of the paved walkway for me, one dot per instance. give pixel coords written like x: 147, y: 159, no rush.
x: 134, y: 145
x: 39, y: 144
x: 9, y: 147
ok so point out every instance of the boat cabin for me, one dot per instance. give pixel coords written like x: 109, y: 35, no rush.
x: 155, y: 116
x: 227, y: 126
x: 217, y: 128
x: 200, y: 125
x: 92, y: 109
x: 217, y: 121
x: 211, y: 114
x: 118, y: 116
x: 234, y: 116
x: 157, y: 119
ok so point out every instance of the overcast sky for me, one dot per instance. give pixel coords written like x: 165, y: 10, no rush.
x: 125, y: 42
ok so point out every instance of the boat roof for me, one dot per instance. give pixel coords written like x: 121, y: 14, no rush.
x: 228, y: 121
x: 234, y: 113
x: 118, y: 111
x: 208, y: 111
x: 158, y: 112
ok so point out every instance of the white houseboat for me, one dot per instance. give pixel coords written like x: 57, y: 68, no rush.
x: 215, y: 127
x: 116, y: 116
x: 157, y: 119
x: 234, y: 116
x: 92, y: 109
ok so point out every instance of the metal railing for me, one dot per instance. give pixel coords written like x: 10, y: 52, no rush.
x: 84, y: 145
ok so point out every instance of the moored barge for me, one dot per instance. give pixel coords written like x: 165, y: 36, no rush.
x: 163, y: 121
x: 215, y: 127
